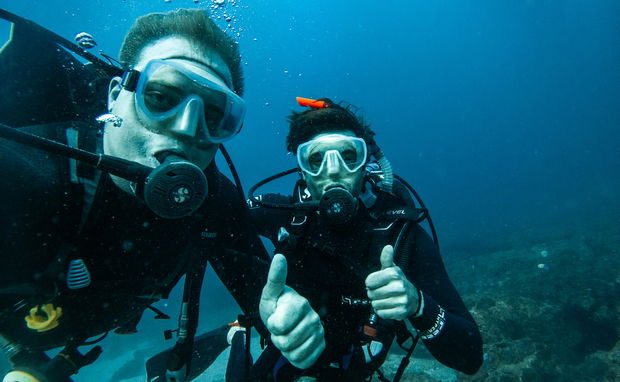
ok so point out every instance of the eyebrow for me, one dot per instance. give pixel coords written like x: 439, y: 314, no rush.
x: 201, y: 63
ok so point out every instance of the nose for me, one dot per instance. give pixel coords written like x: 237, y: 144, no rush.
x: 187, y: 121
x: 333, y: 163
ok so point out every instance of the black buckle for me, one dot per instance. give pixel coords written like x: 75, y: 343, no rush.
x: 130, y: 80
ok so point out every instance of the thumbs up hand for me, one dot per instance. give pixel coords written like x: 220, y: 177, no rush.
x: 295, y: 328
x: 392, y: 295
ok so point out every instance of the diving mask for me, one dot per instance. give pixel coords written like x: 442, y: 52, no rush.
x: 329, y: 152
x: 184, y: 99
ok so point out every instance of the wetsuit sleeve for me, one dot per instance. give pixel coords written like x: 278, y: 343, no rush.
x: 267, y: 221
x: 448, y: 329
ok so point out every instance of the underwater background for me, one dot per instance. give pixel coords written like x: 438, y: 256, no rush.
x: 505, y: 117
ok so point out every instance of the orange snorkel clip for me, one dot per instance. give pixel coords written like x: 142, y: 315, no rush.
x: 308, y: 102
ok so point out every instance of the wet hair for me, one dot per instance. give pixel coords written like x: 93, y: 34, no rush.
x: 305, y: 125
x: 193, y: 24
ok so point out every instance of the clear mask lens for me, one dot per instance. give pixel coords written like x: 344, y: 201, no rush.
x: 176, y: 96
x: 331, y: 153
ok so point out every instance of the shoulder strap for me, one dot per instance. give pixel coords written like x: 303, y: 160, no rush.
x: 408, y: 213
x: 84, y: 178
x: 82, y: 181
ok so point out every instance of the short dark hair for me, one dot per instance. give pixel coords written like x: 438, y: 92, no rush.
x: 304, y: 125
x: 194, y: 24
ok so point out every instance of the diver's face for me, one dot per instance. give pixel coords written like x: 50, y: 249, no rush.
x: 141, y: 139
x: 334, y: 174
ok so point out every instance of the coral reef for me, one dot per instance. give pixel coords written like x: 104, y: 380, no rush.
x: 548, y: 311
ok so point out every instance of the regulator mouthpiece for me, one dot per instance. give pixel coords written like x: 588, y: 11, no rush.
x: 175, y: 189
x: 337, y: 206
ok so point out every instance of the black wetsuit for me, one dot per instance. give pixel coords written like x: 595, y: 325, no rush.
x: 53, y: 212
x: 328, y: 266
x: 133, y: 256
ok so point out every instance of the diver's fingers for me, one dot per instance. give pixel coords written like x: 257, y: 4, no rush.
x: 392, y: 289
x: 383, y: 277
x: 306, y: 355
x: 291, y: 310
x: 274, y: 287
x: 309, y: 326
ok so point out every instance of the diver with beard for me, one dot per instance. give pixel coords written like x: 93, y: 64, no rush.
x: 352, y: 262
x: 88, y: 245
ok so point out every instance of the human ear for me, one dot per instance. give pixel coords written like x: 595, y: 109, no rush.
x: 114, y: 89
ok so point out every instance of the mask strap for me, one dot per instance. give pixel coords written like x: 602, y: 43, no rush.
x: 130, y: 80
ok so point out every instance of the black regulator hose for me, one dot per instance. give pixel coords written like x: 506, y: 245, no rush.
x: 125, y: 169
x: 233, y: 171
x: 281, y: 206
x: 173, y: 190
x: 428, y: 216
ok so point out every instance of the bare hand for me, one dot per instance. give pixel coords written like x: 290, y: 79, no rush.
x: 392, y: 295
x: 295, y: 328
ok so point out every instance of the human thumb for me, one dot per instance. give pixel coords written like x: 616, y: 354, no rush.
x: 387, y: 257
x: 274, y: 287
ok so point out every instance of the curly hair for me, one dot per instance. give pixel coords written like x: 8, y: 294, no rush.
x: 193, y: 24
x: 335, y: 117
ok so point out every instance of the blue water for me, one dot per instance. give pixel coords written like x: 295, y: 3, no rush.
x: 505, y: 115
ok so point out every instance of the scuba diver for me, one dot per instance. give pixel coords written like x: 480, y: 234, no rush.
x: 352, y: 262
x: 101, y: 221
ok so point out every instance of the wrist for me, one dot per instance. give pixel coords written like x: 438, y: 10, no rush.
x: 438, y: 325
x: 419, y: 310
